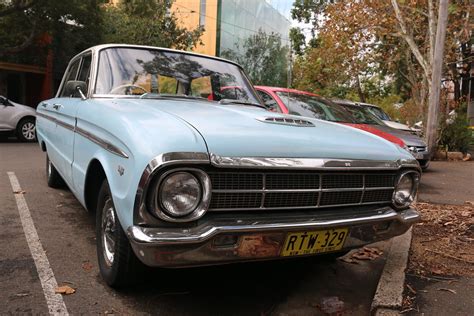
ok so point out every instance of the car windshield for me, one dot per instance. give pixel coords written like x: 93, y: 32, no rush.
x: 363, y: 116
x: 313, y: 106
x: 149, y: 73
x: 379, y: 113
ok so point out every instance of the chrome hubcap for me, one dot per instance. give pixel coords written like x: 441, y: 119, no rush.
x: 29, y: 131
x: 108, y: 229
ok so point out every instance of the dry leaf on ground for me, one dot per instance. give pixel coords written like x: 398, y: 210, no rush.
x: 87, y: 266
x: 366, y: 253
x: 447, y: 290
x: 65, y: 289
x: 19, y: 192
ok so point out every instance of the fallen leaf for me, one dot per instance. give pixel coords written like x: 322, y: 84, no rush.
x: 19, y: 192
x: 87, y: 266
x: 447, y: 290
x: 447, y: 223
x: 349, y: 260
x: 65, y: 289
x: 22, y: 294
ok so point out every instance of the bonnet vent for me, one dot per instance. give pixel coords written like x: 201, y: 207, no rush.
x: 287, y: 121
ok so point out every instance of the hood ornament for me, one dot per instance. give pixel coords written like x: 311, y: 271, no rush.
x: 286, y: 121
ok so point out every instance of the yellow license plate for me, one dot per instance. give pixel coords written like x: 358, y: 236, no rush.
x: 311, y: 242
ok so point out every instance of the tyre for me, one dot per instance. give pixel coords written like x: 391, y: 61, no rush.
x: 26, y: 130
x: 54, y: 178
x: 118, y: 264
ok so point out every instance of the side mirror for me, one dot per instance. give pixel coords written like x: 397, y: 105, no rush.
x: 75, y: 89
x: 4, y: 101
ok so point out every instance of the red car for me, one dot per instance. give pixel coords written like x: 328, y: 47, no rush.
x: 296, y: 102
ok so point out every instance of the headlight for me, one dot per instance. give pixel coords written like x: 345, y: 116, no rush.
x: 405, y: 189
x: 180, y: 195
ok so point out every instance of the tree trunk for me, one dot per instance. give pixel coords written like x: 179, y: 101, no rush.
x: 433, y: 106
x: 359, y: 90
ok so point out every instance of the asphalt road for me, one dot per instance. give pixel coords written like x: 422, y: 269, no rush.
x: 448, y: 182
x: 66, y: 233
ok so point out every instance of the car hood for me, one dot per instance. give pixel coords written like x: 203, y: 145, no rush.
x: 407, y: 137
x: 397, y: 125
x: 237, y: 131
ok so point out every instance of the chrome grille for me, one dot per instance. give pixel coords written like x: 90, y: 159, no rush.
x: 300, y: 190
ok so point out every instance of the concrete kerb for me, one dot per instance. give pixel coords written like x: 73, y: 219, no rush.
x: 388, y: 297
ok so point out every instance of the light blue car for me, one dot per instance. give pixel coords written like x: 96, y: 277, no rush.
x: 183, y: 171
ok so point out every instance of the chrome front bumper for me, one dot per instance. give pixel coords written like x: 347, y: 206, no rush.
x: 259, y: 237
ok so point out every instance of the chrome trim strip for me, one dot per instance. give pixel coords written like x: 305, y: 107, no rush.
x: 99, y: 141
x: 300, y: 190
x: 102, y: 143
x: 56, y: 121
x: 211, y: 228
x: 295, y: 207
x: 297, y: 122
x: 310, y: 163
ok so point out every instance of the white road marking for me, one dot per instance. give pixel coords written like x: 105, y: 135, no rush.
x: 55, y: 301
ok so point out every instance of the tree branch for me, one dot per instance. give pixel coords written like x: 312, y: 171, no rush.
x: 17, y: 6
x: 27, y: 42
x: 410, y: 41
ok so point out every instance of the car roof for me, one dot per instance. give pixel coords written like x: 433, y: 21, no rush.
x: 279, y: 89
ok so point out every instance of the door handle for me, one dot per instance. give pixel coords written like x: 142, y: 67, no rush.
x: 57, y: 106
x: 44, y: 104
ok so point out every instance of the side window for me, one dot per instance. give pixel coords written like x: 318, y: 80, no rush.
x: 201, y: 87
x: 70, y: 75
x: 269, y: 102
x: 85, y: 71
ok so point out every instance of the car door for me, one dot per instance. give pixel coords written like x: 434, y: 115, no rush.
x: 63, y: 109
x: 7, y: 112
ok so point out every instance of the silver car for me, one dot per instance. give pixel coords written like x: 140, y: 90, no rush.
x: 18, y: 119
x: 415, y: 144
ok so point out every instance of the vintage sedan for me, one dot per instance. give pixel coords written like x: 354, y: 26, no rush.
x: 179, y: 180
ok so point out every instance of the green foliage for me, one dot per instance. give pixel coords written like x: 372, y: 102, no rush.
x: 456, y: 136
x: 147, y: 22
x: 264, y: 59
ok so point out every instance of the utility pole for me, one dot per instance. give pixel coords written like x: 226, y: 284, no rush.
x: 433, y: 105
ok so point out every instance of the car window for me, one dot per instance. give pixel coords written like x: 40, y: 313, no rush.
x: 269, y: 102
x: 71, y: 74
x: 314, y: 106
x: 363, y: 115
x: 84, y: 72
x: 379, y: 113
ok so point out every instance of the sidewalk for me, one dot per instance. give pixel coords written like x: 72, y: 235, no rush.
x: 441, y: 280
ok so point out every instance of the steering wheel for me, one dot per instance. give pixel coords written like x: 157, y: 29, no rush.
x: 127, y: 89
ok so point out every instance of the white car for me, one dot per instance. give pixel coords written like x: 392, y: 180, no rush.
x: 381, y: 114
x: 18, y: 119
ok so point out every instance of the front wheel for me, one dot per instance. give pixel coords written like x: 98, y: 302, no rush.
x: 26, y: 130
x: 118, y: 264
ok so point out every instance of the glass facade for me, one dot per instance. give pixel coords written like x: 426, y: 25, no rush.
x: 240, y: 19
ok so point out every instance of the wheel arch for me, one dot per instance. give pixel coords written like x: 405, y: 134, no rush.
x: 24, y: 118
x: 95, y: 175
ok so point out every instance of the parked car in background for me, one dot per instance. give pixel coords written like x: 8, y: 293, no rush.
x: 415, y: 144
x: 17, y: 119
x: 381, y: 114
x: 296, y: 102
x: 177, y: 180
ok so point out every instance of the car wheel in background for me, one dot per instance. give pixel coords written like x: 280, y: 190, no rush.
x: 118, y: 264
x: 54, y: 178
x: 26, y: 130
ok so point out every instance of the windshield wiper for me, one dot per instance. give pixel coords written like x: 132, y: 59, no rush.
x: 232, y: 101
